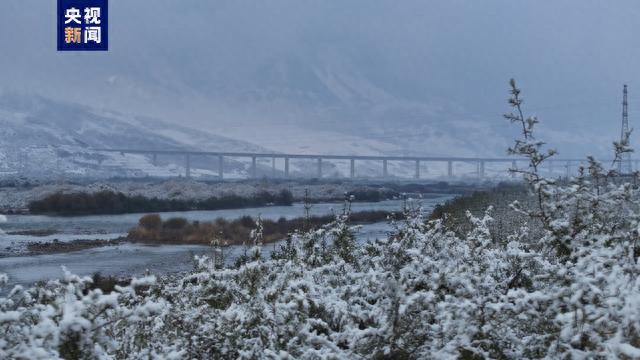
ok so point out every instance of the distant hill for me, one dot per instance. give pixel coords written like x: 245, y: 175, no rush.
x: 40, y: 137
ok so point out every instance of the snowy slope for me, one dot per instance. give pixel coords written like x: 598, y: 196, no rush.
x: 41, y: 138
x: 328, y: 103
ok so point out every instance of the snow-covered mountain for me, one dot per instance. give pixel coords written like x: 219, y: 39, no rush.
x: 41, y: 137
x: 328, y: 103
x: 45, y: 138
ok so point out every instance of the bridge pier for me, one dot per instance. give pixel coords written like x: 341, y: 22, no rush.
x: 220, y: 166
x: 319, y: 174
x: 450, y: 168
x: 417, y: 169
x: 352, y: 168
x: 481, y: 169
x: 273, y: 167
x: 154, y: 160
x: 286, y: 166
x: 385, y: 173
x: 254, y: 168
x: 187, y: 167
x: 514, y: 167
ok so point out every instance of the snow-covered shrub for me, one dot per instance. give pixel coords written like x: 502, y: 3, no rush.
x: 65, y: 319
x: 590, y: 282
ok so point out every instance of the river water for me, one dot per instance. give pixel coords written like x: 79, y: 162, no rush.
x: 129, y: 259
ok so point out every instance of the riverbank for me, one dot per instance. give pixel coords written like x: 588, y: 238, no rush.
x: 20, y: 230
x: 152, y: 230
x: 109, y: 202
x: 125, y: 259
x: 15, y: 199
x: 57, y: 247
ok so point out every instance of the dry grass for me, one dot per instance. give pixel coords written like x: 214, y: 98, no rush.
x: 152, y: 229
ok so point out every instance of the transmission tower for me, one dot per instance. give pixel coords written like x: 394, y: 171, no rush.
x: 624, y: 164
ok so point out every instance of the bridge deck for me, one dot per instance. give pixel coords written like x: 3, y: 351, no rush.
x: 479, y: 161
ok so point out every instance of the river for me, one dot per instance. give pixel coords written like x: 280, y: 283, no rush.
x: 129, y: 259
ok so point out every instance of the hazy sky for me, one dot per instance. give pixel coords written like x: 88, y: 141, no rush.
x: 186, y: 60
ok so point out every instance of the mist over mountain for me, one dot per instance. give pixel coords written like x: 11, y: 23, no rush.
x: 363, y: 77
x: 40, y: 137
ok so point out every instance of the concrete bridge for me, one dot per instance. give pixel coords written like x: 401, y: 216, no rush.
x: 480, y: 162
